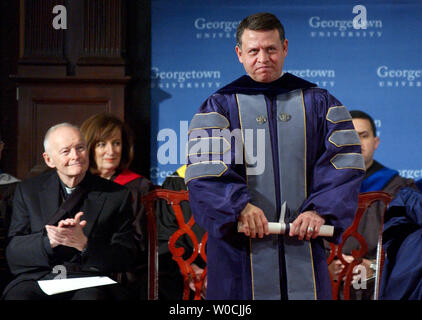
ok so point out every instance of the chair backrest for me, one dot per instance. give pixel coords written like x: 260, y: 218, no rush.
x: 173, y: 198
x: 365, y: 200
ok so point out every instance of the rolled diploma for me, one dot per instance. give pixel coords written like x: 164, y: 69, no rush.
x: 280, y: 228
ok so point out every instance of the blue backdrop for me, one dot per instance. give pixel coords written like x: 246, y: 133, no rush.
x: 377, y: 69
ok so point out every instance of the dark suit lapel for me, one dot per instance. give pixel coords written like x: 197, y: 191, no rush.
x: 92, y: 208
x: 50, y: 197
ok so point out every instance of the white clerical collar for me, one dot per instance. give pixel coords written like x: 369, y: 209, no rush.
x: 66, y: 188
x: 6, y: 178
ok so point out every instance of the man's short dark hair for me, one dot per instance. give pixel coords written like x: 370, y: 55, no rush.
x: 259, y: 21
x: 357, y: 114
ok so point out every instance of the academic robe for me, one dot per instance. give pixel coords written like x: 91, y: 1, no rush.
x: 136, y: 280
x: 331, y: 181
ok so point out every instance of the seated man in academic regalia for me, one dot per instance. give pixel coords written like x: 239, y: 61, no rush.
x: 68, y: 220
x: 377, y: 178
x: 266, y: 141
x: 170, y: 277
x: 419, y: 184
x: 7, y: 187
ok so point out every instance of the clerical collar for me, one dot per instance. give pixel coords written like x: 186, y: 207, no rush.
x: 375, y: 166
x: 66, y: 189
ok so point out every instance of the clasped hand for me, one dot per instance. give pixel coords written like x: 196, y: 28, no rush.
x: 305, y: 226
x: 69, y: 232
x: 336, y: 267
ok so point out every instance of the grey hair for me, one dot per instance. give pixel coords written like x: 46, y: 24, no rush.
x: 52, y: 129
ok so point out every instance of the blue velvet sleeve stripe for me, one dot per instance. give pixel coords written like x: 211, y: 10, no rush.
x: 338, y: 114
x: 342, y: 138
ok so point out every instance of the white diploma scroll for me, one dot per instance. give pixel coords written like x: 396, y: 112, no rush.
x: 280, y: 228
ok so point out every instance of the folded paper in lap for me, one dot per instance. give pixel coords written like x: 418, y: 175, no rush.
x: 56, y: 286
x: 280, y: 228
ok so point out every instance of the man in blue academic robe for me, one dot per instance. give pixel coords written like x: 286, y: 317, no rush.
x: 267, y: 141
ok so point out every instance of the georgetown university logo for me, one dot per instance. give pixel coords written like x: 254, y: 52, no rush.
x: 323, y: 78
x: 353, y: 27
x: 185, y: 79
x: 399, y: 78
x: 207, y: 29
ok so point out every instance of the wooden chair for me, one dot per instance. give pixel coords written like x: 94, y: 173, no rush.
x: 173, y: 198
x: 364, y: 202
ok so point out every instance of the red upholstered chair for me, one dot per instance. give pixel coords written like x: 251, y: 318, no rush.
x: 173, y: 198
x: 364, y: 201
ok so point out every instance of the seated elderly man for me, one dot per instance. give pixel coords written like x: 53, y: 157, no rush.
x: 7, y: 188
x: 401, y: 276
x: 377, y: 178
x: 68, y: 218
